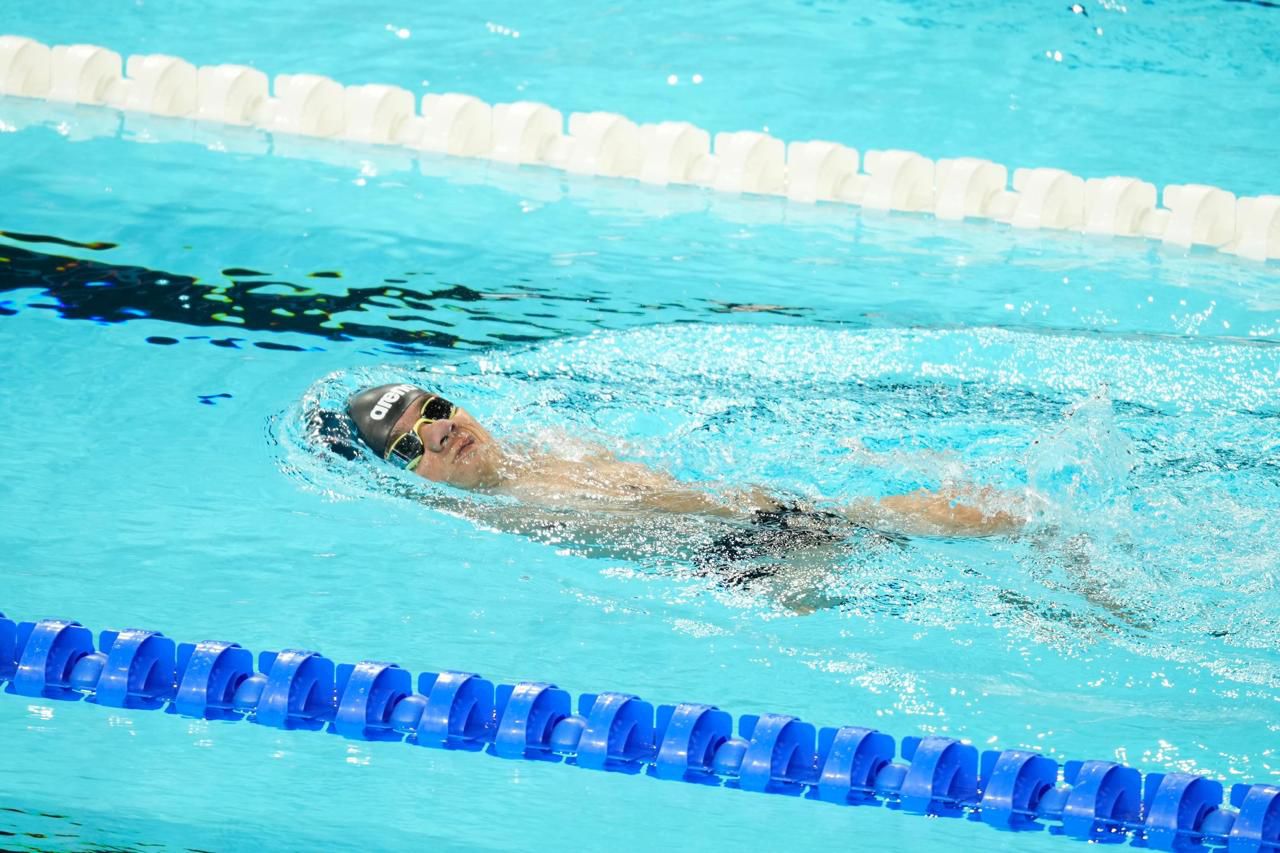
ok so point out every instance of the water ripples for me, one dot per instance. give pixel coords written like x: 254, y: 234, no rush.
x: 1152, y: 501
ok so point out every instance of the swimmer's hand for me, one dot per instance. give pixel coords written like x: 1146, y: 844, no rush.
x: 948, y: 512
x: 753, y: 499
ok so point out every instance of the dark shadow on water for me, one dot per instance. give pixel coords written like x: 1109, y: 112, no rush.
x: 408, y: 319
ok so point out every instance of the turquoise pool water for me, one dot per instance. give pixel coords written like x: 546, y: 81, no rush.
x: 159, y: 473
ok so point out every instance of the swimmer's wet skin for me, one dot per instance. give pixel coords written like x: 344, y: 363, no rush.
x: 442, y: 442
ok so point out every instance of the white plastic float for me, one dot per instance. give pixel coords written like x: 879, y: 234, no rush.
x: 900, y: 180
x: 1153, y: 225
x: 1257, y: 228
x: 82, y: 73
x: 1117, y: 205
x: 524, y: 131
x: 455, y: 124
x: 156, y: 84
x: 1001, y: 206
x: 749, y: 162
x: 672, y: 152
x: 965, y: 186
x: 1047, y: 198
x: 602, y: 144
x: 608, y: 144
x: 376, y: 113
x: 1199, y: 215
x: 231, y: 94
x: 26, y: 67
x: 818, y: 171
x: 306, y: 105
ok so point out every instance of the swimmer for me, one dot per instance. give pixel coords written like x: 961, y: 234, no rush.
x: 439, y: 440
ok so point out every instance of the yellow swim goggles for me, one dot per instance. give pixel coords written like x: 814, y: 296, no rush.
x: 408, y: 448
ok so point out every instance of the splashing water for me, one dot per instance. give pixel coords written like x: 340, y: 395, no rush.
x: 1149, y: 467
x: 1079, y: 468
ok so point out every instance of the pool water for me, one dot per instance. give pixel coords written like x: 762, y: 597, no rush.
x: 161, y: 473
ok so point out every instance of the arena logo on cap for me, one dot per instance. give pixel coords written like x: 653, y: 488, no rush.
x: 383, y: 405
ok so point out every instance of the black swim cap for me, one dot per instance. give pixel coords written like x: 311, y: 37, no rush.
x: 376, y: 410
x: 331, y: 430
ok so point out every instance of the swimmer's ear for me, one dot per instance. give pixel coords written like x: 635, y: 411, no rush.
x: 332, y: 430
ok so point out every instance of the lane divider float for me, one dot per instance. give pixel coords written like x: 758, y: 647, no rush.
x: 671, y: 152
x: 690, y: 742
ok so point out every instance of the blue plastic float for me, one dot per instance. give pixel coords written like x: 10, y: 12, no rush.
x: 1013, y: 790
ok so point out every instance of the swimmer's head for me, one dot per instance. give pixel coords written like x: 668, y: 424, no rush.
x: 425, y: 433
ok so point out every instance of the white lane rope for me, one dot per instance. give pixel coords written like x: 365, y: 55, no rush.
x: 670, y: 152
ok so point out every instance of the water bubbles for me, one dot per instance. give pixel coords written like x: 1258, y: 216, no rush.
x: 499, y: 29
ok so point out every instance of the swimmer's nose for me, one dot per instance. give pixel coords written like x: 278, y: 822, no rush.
x: 437, y: 434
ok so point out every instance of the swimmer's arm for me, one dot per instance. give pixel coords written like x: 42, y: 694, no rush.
x: 949, y: 512
x: 736, y: 503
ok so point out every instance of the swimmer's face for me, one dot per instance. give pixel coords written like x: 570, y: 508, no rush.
x: 456, y: 450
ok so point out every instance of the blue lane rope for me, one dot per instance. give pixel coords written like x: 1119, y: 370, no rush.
x: 771, y: 753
